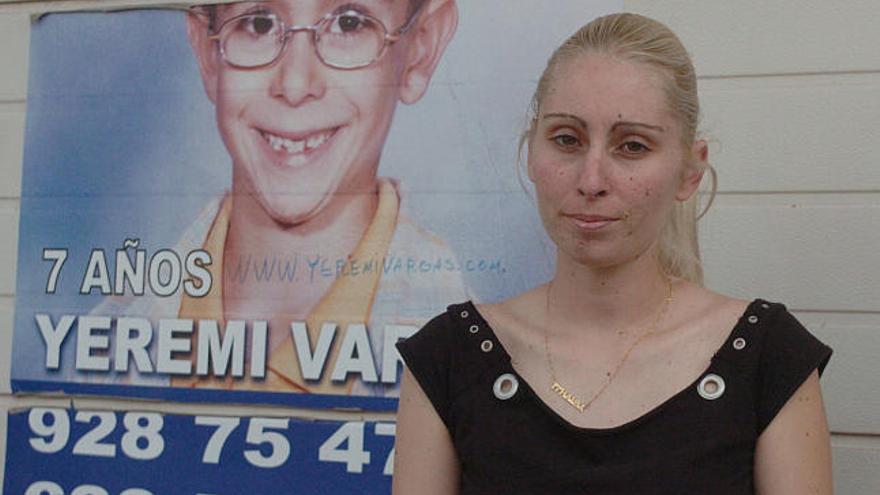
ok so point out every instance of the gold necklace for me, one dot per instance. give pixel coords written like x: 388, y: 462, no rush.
x: 569, y: 397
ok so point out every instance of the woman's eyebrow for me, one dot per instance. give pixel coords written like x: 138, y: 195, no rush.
x: 657, y: 128
x: 623, y: 123
x: 569, y: 116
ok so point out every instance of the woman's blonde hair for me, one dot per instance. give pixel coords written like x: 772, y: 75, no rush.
x: 639, y: 39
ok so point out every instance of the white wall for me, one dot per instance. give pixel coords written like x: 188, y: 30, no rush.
x: 791, y: 97
x: 13, y: 58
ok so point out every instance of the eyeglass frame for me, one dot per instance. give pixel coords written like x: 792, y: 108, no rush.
x: 388, y: 38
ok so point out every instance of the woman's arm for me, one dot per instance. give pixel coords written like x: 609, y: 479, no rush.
x: 793, y: 455
x: 424, y: 458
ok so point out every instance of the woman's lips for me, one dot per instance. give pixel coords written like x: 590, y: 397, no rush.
x: 591, y: 222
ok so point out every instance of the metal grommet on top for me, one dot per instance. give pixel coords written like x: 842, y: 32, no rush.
x: 474, y: 329
x: 753, y: 319
x: 711, y: 387
x: 739, y: 343
x: 486, y: 345
x: 765, y: 306
x: 505, y: 386
x: 464, y: 314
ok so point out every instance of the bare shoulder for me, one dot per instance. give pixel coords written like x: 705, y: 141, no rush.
x: 511, y: 319
x: 708, y: 302
x: 519, y: 307
x: 707, y: 309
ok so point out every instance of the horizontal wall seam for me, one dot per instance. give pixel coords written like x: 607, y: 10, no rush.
x: 759, y: 75
x: 793, y: 192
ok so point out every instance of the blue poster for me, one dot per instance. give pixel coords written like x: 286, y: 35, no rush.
x: 68, y: 451
x: 254, y: 202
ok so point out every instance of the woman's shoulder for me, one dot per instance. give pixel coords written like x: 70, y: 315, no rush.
x: 511, y: 319
x: 440, y: 336
x: 698, y: 303
x: 781, y: 336
x: 513, y: 308
x: 707, y: 306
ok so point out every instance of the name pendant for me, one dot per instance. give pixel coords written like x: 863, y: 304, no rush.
x: 569, y: 397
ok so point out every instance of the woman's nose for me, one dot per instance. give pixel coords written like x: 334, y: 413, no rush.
x: 299, y: 72
x: 593, y: 181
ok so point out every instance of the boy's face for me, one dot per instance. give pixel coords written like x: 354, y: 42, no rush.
x: 301, y: 134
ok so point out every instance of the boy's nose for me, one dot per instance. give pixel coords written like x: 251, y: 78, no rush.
x: 298, y: 77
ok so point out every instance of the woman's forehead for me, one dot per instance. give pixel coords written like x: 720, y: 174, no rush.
x: 598, y: 85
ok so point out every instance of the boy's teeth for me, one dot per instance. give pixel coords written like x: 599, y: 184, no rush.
x: 279, y: 143
x: 294, y: 146
x: 316, y: 141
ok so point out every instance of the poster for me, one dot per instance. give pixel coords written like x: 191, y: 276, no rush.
x: 55, y: 451
x: 253, y: 203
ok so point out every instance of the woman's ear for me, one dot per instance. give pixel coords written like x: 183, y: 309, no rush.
x: 430, y: 36
x: 198, y: 28
x: 693, y: 171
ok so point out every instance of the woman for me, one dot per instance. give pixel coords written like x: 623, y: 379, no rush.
x: 622, y: 374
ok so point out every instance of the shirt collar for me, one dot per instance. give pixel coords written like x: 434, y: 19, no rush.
x: 348, y: 300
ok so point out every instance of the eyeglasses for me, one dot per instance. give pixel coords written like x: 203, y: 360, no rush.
x: 343, y: 40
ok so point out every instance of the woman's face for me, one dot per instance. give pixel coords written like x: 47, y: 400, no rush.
x: 607, y: 159
x: 301, y: 134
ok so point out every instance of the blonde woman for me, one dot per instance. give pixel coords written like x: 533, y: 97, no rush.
x: 623, y: 373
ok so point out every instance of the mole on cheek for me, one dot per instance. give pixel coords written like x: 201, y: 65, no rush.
x: 647, y: 192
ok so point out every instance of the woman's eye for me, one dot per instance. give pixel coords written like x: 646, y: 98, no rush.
x: 566, y: 140
x: 633, y: 148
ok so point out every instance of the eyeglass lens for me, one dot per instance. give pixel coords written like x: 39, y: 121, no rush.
x: 344, y: 40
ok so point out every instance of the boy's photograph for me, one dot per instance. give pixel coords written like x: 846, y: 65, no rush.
x: 304, y: 95
x: 266, y: 196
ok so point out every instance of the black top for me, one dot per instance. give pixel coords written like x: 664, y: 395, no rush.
x: 687, y: 445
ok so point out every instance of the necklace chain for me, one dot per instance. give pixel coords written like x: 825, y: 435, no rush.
x: 569, y: 397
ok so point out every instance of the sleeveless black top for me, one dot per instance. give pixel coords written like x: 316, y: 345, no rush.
x: 696, y: 442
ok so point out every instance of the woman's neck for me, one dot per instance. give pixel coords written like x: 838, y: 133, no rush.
x: 608, y: 298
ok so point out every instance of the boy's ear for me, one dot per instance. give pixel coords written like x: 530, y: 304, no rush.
x: 430, y: 36
x: 693, y: 171
x: 198, y: 31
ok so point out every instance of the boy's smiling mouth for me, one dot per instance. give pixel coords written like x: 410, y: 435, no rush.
x: 298, y: 145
